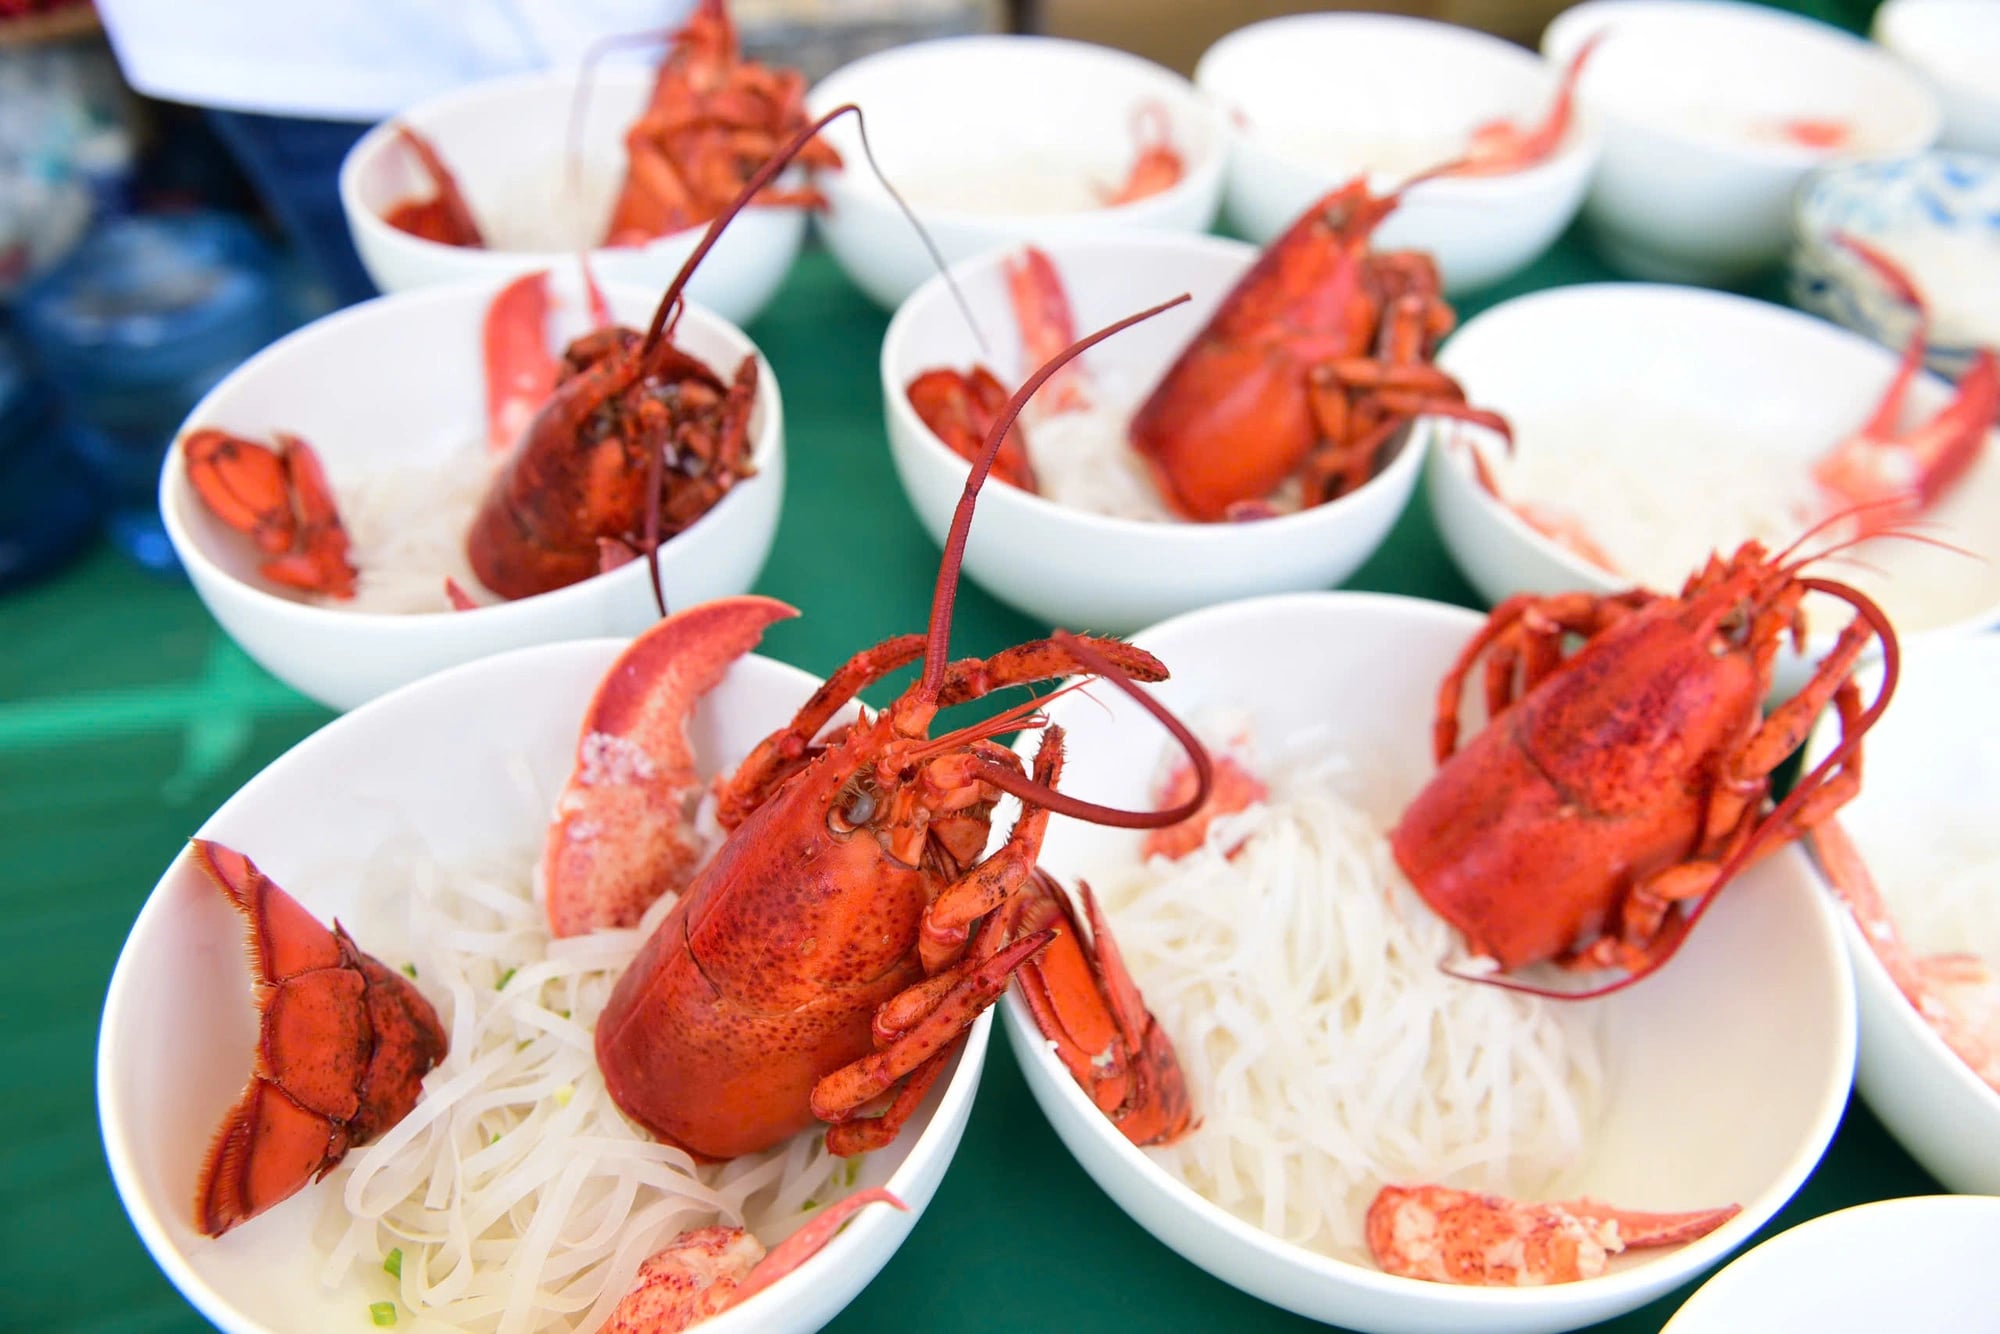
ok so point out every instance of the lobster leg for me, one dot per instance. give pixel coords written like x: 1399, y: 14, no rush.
x: 1039, y: 660
x: 1042, y: 313
x: 949, y: 918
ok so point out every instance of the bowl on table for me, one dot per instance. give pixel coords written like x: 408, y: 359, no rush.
x: 1358, y: 673
x: 398, y: 382
x: 1038, y: 129
x: 1712, y: 113
x: 1088, y: 570
x: 1313, y: 100
x: 1921, y: 820
x: 1953, y: 45
x: 462, y: 767
x: 507, y: 141
x: 1936, y: 216
x: 1664, y: 406
x: 1919, y: 1263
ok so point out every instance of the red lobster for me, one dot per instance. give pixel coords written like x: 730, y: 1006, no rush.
x: 1614, y: 787
x: 281, y: 499
x: 712, y: 120
x: 830, y: 955
x: 341, y: 1053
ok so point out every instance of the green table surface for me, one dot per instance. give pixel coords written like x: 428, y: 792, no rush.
x: 126, y: 717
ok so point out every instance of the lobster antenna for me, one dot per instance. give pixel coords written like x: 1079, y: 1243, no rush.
x: 937, y: 642
x: 586, y: 82
x: 1061, y: 803
x: 1772, y: 824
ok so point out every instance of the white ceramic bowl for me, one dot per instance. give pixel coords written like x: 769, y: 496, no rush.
x: 1025, y: 114
x: 399, y: 380
x: 1574, y: 368
x: 1953, y: 45
x: 1085, y: 570
x: 1313, y: 99
x: 506, y: 141
x: 1906, y: 208
x: 1694, y: 185
x: 1729, y: 1023
x: 444, y: 757
x: 1920, y: 1263
x: 1931, y: 785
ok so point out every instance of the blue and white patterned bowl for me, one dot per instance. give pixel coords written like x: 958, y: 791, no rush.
x: 1875, y: 200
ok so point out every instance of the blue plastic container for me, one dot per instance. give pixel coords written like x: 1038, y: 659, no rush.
x: 49, y: 505
x: 140, y: 321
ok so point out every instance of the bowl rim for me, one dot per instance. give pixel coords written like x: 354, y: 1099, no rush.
x: 1839, y: 1220
x: 1889, y: 29
x: 1823, y: 185
x: 767, y: 451
x: 1870, y: 974
x: 1586, y: 574
x: 1568, y: 29
x: 1184, y: 532
x: 376, y: 139
x: 1579, y: 147
x: 1636, y: 1281
x: 1200, y: 178
x: 121, y: 1156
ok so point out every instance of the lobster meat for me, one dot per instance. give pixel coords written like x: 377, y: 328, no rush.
x: 1616, y: 789
x: 1455, y: 1236
x: 825, y: 962
x: 280, y: 499
x: 707, y: 1271
x: 712, y: 120
x: 341, y: 1053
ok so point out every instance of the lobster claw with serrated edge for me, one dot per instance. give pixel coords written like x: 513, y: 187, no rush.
x: 1085, y: 1002
x: 281, y: 500
x: 342, y: 1049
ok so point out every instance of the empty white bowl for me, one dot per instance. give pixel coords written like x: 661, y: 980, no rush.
x: 997, y: 140
x: 1614, y: 375
x: 399, y: 380
x: 1730, y: 1023
x: 1695, y: 182
x: 1953, y: 45
x: 1920, y: 1263
x: 1937, y: 215
x: 507, y: 143
x: 1928, y: 794
x: 1313, y: 100
x: 443, y: 758
x: 1090, y: 571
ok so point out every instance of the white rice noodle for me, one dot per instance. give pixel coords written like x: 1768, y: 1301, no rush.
x: 521, y: 1199
x: 1326, y: 1052
x: 1945, y: 895
x: 406, y: 530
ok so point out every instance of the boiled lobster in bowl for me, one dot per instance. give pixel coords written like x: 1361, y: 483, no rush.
x: 1295, y: 393
x: 823, y: 965
x: 713, y: 118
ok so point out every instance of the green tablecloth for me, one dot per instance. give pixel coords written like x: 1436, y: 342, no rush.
x: 126, y: 717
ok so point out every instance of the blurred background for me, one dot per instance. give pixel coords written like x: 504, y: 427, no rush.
x: 162, y: 216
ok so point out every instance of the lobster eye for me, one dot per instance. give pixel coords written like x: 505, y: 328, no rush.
x: 855, y: 808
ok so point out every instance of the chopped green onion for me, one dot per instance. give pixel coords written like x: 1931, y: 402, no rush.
x: 808, y: 1206
x: 853, y: 1171
x: 392, y: 1263
x: 382, y: 1313
x: 505, y: 978
x: 410, y: 971
x: 564, y: 1094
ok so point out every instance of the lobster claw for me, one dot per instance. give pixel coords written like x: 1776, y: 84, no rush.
x: 960, y: 407
x: 280, y: 499
x: 342, y: 1050
x: 622, y: 833
x: 1085, y: 1002
x: 443, y: 215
